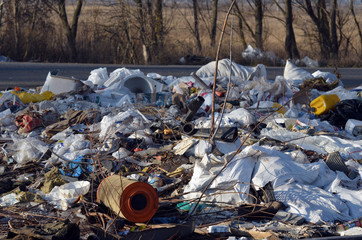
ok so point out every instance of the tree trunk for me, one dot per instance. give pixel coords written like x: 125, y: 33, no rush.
x: 241, y: 27
x: 16, y: 28
x: 30, y: 37
x: 1, y: 12
x: 196, y: 27
x: 141, y: 20
x: 322, y: 23
x: 290, y: 42
x: 259, y: 24
x: 334, y: 38
x: 159, y: 23
x: 214, y: 22
x: 357, y: 25
x: 70, y: 30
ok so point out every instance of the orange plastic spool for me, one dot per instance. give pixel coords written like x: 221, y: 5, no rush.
x: 132, y: 200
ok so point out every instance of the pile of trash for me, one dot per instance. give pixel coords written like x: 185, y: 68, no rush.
x: 135, y: 156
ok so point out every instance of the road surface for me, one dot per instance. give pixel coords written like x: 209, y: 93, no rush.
x: 30, y: 75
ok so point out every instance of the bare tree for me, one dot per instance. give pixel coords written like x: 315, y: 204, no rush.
x: 290, y: 43
x: 214, y: 22
x: 325, y: 22
x: 241, y: 27
x: 59, y: 6
x: 351, y: 6
x: 196, y: 26
x: 16, y: 13
x: 257, y: 8
x: 151, y: 28
x: 1, y: 11
x: 158, y: 28
x: 258, y: 24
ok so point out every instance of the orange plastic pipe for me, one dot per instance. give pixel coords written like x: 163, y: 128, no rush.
x: 132, y: 200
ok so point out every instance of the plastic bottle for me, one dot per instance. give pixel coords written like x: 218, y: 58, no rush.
x: 323, y: 103
x: 354, y: 127
x: 348, y: 225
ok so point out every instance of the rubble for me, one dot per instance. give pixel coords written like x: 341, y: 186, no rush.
x: 130, y: 156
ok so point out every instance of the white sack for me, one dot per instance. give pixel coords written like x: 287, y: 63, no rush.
x: 237, y: 70
x: 294, y: 74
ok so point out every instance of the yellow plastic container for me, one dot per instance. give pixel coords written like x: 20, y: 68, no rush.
x: 323, y: 103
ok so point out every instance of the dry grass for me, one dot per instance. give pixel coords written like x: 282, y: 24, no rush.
x: 101, y: 36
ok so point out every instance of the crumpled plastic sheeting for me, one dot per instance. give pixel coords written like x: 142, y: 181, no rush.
x: 7, y: 121
x: 314, y: 204
x: 231, y: 186
x: 72, y: 146
x: 62, y: 196
x: 28, y: 149
x: 343, y: 94
x: 237, y: 71
x: 98, y: 76
x: 329, y: 77
x: 261, y: 89
x: 237, y: 118
x: 125, y: 122
x: 279, y: 168
x: 320, y: 144
x: 62, y: 106
x: 119, y: 74
x: 350, y: 191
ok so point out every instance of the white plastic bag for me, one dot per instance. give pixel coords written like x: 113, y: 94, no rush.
x: 62, y: 196
x: 98, y: 76
x: 202, y: 148
x: 241, y: 117
x: 121, y: 153
x: 28, y: 149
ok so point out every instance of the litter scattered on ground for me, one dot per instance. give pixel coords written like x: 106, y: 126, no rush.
x: 124, y: 155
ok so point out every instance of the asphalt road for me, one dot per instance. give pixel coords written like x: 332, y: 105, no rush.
x: 29, y: 75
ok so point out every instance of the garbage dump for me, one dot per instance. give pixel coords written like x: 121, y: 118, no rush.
x: 124, y: 155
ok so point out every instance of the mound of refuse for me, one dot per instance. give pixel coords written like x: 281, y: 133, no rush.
x: 125, y: 155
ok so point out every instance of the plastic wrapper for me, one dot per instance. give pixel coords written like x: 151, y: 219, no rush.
x: 98, y: 76
x: 62, y: 196
x: 33, y: 97
x: 28, y: 149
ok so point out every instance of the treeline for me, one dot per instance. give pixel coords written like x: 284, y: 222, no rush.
x: 160, y: 32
